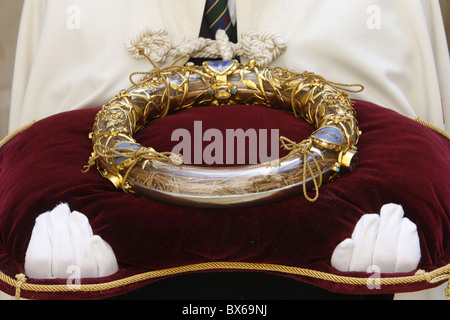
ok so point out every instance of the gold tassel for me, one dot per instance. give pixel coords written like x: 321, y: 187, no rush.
x: 21, y: 279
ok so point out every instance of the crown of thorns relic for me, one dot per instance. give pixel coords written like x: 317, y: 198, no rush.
x: 134, y: 168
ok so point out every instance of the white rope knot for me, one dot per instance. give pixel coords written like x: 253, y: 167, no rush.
x: 225, y: 47
x: 154, y: 42
x: 263, y: 48
x: 190, y: 47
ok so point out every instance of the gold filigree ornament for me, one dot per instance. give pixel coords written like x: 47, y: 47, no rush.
x: 162, y: 176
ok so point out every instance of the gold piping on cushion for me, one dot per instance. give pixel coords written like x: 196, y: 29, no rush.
x: 11, y: 136
x: 431, y: 126
x: 433, y: 277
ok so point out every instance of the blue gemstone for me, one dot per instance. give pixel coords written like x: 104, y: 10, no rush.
x: 126, y: 145
x: 219, y: 65
x: 329, y: 134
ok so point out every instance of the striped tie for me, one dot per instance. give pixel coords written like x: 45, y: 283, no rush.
x: 218, y: 17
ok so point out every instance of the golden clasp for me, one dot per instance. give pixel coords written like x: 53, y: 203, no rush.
x: 219, y: 72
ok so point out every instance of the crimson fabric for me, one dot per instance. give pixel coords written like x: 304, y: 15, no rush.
x: 401, y: 162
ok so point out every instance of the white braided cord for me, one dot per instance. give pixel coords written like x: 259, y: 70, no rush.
x: 263, y: 48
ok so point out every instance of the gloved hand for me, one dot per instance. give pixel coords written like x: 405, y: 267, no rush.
x: 62, y: 242
x: 388, y: 242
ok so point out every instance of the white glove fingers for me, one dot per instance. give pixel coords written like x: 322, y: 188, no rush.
x: 105, y: 257
x: 62, y: 240
x: 364, y: 238
x: 38, y: 258
x: 342, y: 255
x: 387, y: 241
x: 408, y: 251
x: 385, y: 253
x: 81, y: 233
x: 62, y: 252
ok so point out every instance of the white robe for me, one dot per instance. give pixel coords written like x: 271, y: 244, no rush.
x: 71, y: 53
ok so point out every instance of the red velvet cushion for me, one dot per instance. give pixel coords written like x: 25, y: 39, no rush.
x: 401, y: 162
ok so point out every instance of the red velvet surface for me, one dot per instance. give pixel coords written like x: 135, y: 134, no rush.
x: 401, y: 162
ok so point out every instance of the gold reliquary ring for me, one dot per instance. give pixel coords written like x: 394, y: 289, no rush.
x: 162, y: 176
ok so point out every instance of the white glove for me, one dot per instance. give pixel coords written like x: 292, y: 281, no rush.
x: 386, y: 241
x: 62, y: 240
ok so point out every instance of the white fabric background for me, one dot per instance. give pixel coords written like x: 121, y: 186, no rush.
x: 71, y: 53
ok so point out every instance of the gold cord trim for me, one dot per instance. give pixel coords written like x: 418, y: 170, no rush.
x: 431, y: 126
x: 335, y: 85
x: 13, y: 134
x: 432, y: 277
x: 303, y: 149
